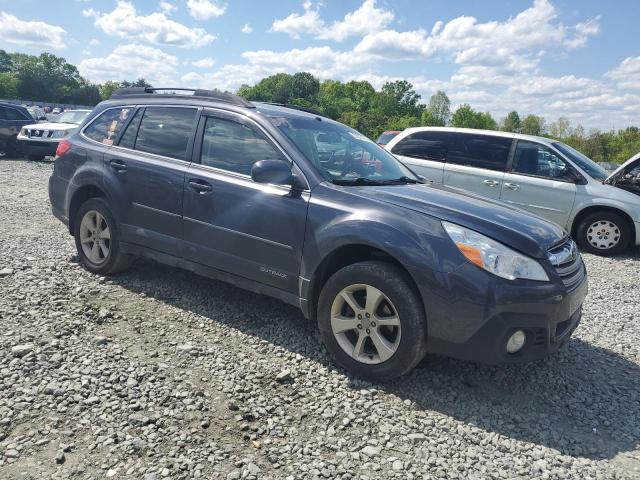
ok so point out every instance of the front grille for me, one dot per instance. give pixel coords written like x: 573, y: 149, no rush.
x: 36, y: 133
x: 567, y: 261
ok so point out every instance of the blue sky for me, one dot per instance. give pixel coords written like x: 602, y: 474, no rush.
x: 577, y: 59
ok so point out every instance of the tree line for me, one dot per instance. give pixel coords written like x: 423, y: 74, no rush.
x: 396, y: 106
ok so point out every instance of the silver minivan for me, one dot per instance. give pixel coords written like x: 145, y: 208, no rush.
x: 541, y: 175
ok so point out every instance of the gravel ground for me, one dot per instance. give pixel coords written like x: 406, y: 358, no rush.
x: 158, y: 373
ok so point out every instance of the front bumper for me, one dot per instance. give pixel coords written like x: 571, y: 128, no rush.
x: 38, y: 147
x: 475, y: 320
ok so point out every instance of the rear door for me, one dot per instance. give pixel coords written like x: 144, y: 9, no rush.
x: 477, y: 162
x: 425, y: 153
x: 540, y: 181
x: 233, y: 224
x: 147, y: 168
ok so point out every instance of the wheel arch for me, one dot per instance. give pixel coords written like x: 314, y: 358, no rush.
x: 343, y: 256
x: 600, y: 208
x: 81, y: 195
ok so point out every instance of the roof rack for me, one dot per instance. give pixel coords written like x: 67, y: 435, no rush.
x: 211, y: 94
x: 297, y: 107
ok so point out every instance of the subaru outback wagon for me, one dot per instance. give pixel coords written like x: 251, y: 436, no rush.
x: 291, y: 204
x: 541, y: 175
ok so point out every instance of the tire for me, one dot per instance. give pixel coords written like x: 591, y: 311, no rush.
x: 603, y: 233
x: 408, y: 340
x: 104, y: 264
x: 36, y: 158
x: 11, y: 148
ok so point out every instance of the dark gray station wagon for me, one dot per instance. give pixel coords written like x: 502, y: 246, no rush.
x: 293, y: 205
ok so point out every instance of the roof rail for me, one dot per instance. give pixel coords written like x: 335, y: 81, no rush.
x: 297, y: 107
x: 211, y: 94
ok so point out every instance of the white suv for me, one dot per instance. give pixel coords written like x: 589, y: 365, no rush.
x: 538, y: 174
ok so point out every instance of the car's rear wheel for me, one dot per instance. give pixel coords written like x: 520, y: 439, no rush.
x: 603, y: 233
x: 372, y: 321
x: 97, y: 238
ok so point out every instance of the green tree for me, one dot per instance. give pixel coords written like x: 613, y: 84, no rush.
x: 45, y: 77
x: 107, y: 89
x: 140, y: 82
x: 487, y: 122
x: 6, y: 63
x: 561, y: 128
x: 402, y: 97
x: 512, y: 123
x: 8, y: 85
x: 438, y: 111
x: 533, y: 125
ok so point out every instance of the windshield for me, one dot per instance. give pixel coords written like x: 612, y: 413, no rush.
x: 343, y: 155
x: 585, y: 163
x: 72, y: 117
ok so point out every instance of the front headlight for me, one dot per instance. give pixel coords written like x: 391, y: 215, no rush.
x: 493, y: 256
x: 59, y: 133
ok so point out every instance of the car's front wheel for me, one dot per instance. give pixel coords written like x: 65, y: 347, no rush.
x: 603, y: 233
x: 372, y: 320
x: 97, y: 238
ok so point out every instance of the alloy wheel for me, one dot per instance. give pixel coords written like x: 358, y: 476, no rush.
x: 365, y: 324
x: 95, y: 237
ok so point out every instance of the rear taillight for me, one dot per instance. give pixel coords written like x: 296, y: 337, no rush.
x: 63, y: 147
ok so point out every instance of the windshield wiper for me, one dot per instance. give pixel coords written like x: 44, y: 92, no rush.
x: 403, y: 179
x: 356, y: 181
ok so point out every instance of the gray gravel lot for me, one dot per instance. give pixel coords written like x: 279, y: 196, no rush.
x: 158, y: 373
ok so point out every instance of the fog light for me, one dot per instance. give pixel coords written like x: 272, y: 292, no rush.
x: 516, y: 341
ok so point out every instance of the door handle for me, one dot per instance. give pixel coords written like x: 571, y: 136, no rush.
x: 512, y: 186
x: 200, y: 186
x: 118, y: 165
x: 491, y: 183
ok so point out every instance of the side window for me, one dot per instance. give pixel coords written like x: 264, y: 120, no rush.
x: 166, y: 131
x: 231, y: 146
x: 535, y: 159
x: 480, y: 151
x: 13, y: 114
x: 106, y: 127
x: 425, y: 145
x: 128, y: 138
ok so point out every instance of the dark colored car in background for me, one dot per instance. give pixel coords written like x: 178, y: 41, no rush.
x: 251, y: 194
x: 12, y: 119
x: 386, y: 137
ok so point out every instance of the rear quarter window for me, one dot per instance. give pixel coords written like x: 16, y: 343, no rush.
x: 425, y: 145
x: 107, y: 126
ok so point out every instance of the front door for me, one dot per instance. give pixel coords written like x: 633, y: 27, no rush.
x: 541, y: 182
x: 476, y: 163
x: 233, y: 224
x: 148, y: 167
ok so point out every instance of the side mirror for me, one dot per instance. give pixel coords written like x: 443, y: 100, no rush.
x: 277, y: 172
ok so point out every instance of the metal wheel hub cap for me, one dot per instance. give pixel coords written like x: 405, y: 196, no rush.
x: 603, y: 234
x: 365, y: 324
x: 95, y: 237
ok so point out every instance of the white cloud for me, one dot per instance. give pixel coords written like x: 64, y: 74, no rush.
x: 627, y: 74
x: 365, y: 19
x: 31, y: 33
x: 155, y: 28
x: 131, y: 61
x: 583, y: 31
x: 166, y: 7
x: 206, y: 62
x: 247, y: 28
x: 309, y: 22
x: 94, y: 41
x: 205, y: 9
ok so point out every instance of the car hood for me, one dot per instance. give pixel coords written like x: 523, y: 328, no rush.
x: 624, y: 166
x: 520, y: 230
x: 51, y: 126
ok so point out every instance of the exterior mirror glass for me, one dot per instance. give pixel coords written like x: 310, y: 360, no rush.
x: 277, y: 172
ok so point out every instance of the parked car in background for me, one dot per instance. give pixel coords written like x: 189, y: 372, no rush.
x: 12, y: 119
x: 41, y: 139
x: 385, y: 137
x: 390, y: 267
x: 538, y: 174
x: 56, y: 110
x: 37, y: 113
